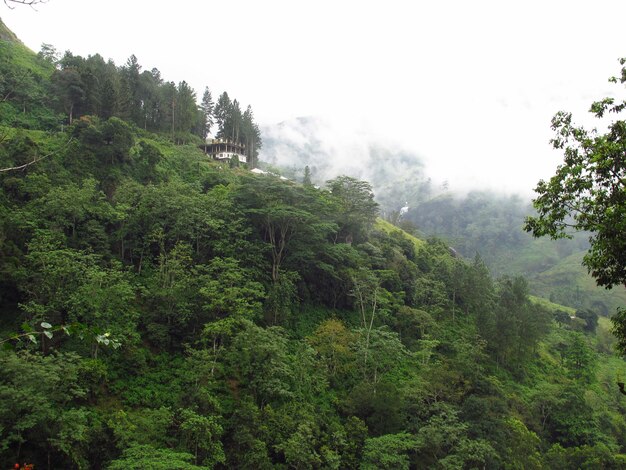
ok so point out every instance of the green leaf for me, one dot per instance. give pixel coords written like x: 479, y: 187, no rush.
x: 26, y: 327
x: 32, y: 338
x: 48, y: 334
x: 46, y: 325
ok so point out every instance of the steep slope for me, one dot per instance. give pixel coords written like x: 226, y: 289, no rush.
x: 24, y: 85
x: 6, y: 34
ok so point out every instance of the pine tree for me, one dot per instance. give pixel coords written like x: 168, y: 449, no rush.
x: 206, y: 108
x: 221, y: 113
x: 131, y: 102
x: 306, y: 179
x: 251, y: 136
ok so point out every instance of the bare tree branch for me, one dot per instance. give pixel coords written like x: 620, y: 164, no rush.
x: 35, y: 160
x: 31, y: 3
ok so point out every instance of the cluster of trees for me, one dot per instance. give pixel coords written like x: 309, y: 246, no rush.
x: 75, y: 86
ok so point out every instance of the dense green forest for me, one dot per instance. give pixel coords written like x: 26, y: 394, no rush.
x: 160, y: 310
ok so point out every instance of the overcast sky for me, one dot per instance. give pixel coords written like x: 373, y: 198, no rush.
x: 468, y: 85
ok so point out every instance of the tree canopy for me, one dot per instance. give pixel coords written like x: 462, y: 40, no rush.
x: 588, y: 191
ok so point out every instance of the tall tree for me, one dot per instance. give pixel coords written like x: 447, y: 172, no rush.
x: 186, y: 108
x: 356, y: 208
x: 222, y: 111
x: 306, y: 179
x: 251, y: 137
x: 69, y: 89
x: 588, y: 193
x: 131, y: 101
x: 232, y: 125
x: 206, y: 106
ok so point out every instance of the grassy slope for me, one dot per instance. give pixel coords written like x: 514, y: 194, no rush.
x: 569, y: 282
x: 388, y: 228
x: 551, y: 306
x: 25, y: 84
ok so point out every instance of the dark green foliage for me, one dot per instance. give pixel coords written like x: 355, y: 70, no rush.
x: 590, y: 317
x: 355, y: 207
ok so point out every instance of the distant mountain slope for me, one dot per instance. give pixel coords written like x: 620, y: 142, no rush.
x: 568, y: 283
x: 491, y: 225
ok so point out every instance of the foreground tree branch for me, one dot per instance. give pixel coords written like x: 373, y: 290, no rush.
x: 31, y: 3
x: 36, y: 159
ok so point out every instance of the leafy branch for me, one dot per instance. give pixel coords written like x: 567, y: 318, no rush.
x: 48, y: 330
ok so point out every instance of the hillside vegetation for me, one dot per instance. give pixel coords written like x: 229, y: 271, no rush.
x: 159, y: 310
x: 483, y: 222
x: 491, y: 225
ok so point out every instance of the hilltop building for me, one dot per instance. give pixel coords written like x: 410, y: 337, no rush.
x: 221, y: 149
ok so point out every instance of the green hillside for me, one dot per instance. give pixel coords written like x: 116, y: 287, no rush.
x: 568, y: 282
x: 491, y: 225
x: 163, y: 310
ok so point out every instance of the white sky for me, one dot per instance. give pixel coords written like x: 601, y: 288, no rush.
x: 469, y: 85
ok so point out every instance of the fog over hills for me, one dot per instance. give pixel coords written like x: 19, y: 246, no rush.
x: 397, y: 174
x: 472, y: 217
x: 399, y: 171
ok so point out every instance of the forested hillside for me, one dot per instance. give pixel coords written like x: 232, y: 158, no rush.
x: 491, y: 224
x: 159, y: 310
x: 479, y: 221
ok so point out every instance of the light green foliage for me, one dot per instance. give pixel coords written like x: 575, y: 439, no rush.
x: 230, y: 291
x: 523, y: 449
x: 76, y: 210
x: 413, y: 325
x: 387, y: 452
x: 259, y: 361
x: 140, y: 457
x: 23, y: 87
x: 334, y: 343
x: 584, y: 457
x: 141, y: 426
x: 391, y: 229
x: 105, y: 302
x: 298, y: 449
x: 201, y: 434
x: 380, y: 351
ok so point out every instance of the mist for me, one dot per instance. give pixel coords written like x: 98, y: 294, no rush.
x: 399, y: 172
